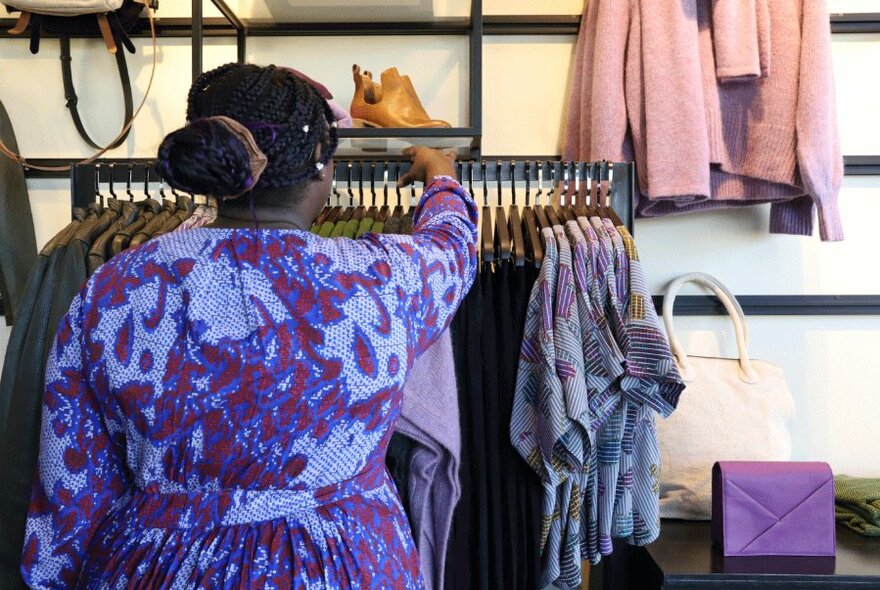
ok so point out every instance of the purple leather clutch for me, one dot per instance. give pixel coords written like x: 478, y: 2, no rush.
x: 773, y: 508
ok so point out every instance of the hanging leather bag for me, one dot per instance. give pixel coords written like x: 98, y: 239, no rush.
x: 111, y: 20
x: 731, y: 410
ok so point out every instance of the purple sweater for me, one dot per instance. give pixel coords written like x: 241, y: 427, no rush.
x: 430, y: 417
x: 646, y: 87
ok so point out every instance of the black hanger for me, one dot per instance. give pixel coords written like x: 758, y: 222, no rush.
x: 149, y: 203
x: 488, y: 245
x: 534, y: 245
x: 361, y: 209
x: 516, y: 230
x: 502, y: 230
x: 129, y: 182
x: 98, y: 192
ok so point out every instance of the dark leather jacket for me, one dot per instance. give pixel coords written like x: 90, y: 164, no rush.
x: 18, y: 245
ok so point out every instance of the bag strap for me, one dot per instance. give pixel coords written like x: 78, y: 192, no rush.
x: 747, y: 374
x: 125, y: 129
x: 71, y: 98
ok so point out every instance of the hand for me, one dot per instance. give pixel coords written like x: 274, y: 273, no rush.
x: 427, y: 163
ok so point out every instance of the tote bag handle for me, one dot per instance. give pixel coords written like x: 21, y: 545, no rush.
x: 15, y: 157
x: 747, y: 374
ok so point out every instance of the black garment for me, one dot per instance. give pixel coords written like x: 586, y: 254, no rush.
x: 493, y: 420
x: 397, y: 461
x: 467, y: 553
x: 527, y: 482
x: 20, y: 438
x: 18, y: 244
x: 508, y: 353
x: 56, y: 280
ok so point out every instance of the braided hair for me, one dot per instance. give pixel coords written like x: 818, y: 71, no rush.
x: 286, y: 115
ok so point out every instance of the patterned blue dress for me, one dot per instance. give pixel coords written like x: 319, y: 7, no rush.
x: 218, y: 405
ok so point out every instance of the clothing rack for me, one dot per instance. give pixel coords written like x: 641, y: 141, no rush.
x: 485, y: 179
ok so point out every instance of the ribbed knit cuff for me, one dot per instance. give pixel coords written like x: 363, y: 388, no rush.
x: 830, y: 227
x: 793, y: 217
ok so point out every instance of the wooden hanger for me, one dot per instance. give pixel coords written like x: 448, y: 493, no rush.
x: 550, y: 209
x: 540, y: 213
x: 384, y: 210
x: 487, y: 249
x: 515, y: 225
x: 534, y: 245
x: 502, y: 230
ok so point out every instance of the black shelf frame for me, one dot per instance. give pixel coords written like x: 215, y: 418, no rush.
x: 198, y: 28
x: 473, y: 27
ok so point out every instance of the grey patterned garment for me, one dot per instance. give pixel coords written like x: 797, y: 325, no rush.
x: 568, y: 342
x: 539, y: 424
x: 594, y: 367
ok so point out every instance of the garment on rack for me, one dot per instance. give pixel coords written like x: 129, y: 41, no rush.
x: 594, y: 369
x: 506, y: 497
x: 329, y: 500
x: 61, y: 270
x: 429, y: 417
x: 18, y: 244
x: 699, y: 144
x: 21, y: 389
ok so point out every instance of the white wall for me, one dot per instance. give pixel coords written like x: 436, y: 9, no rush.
x: 829, y: 361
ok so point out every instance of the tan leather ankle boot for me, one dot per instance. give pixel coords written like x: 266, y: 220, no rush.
x: 394, y: 103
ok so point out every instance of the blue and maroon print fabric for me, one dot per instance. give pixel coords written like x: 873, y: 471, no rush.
x: 219, y: 401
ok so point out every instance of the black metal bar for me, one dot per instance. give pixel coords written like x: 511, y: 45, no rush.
x: 476, y: 74
x: 855, y: 165
x: 448, y: 26
x: 568, y: 24
x: 241, y: 46
x: 560, y: 24
x: 165, y: 28
x: 865, y: 22
x: 228, y: 14
x: 861, y: 165
x: 409, y: 132
x: 198, y: 41
x: 778, y: 305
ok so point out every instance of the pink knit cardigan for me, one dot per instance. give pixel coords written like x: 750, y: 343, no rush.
x: 645, y: 87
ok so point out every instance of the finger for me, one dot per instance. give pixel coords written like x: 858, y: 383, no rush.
x: 410, y: 151
x: 451, y: 154
x: 406, y: 179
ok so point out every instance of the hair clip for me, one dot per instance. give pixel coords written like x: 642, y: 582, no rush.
x: 305, y: 128
x: 334, y: 125
x: 319, y: 166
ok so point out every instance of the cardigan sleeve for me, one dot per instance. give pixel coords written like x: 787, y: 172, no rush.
x: 818, y: 143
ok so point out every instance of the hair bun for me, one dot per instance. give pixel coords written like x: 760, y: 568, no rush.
x: 205, y: 158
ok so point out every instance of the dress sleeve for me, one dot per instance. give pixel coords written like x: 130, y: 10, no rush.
x: 79, y: 472
x: 426, y: 275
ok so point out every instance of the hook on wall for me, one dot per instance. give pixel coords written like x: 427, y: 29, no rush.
x: 128, y: 183
x: 485, y: 184
x: 112, y: 192
x: 98, y: 192
x: 385, y: 185
x: 350, y: 191
x: 498, y: 180
x: 147, y: 182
